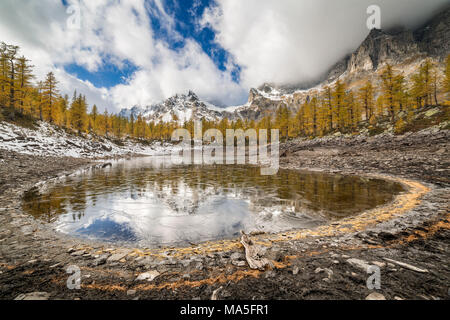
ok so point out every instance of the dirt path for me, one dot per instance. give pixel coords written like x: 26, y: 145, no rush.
x: 414, y: 231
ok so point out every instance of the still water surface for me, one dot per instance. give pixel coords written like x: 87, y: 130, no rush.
x: 150, y: 202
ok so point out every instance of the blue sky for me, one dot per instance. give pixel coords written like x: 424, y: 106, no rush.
x: 108, y: 76
x: 187, y: 13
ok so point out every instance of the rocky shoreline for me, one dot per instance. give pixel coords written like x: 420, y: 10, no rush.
x: 410, y: 248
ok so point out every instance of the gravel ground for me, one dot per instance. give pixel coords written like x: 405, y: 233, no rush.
x: 408, y: 239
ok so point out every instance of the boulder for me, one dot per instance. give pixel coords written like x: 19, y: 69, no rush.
x: 33, y: 296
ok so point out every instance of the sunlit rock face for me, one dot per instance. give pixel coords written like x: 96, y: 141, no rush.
x: 381, y: 48
x: 151, y: 202
x: 399, y: 46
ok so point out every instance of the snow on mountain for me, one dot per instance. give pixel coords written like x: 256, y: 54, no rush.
x: 189, y: 107
x: 179, y: 108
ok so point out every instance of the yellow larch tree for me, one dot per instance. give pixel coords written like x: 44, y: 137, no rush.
x: 366, y: 100
x: 50, y: 109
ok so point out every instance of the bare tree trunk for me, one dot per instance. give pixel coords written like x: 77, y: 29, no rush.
x: 253, y: 254
x: 12, y: 91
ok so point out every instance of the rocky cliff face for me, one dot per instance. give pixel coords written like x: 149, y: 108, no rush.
x: 434, y: 37
x: 265, y: 101
x: 379, y: 48
x: 396, y: 47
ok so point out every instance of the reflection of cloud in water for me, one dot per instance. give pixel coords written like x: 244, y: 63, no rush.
x: 149, y: 220
x: 219, y: 218
x: 152, y: 202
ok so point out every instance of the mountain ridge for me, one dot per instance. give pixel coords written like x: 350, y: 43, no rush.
x: 396, y: 47
x: 180, y: 108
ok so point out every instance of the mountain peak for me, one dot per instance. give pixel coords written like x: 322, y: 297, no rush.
x: 182, y: 107
x: 192, y: 95
x: 374, y: 33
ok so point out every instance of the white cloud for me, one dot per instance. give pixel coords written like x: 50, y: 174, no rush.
x: 294, y: 41
x: 175, y: 72
x: 113, y: 32
x: 276, y: 41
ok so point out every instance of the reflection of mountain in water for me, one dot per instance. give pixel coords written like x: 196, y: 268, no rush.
x: 182, y: 199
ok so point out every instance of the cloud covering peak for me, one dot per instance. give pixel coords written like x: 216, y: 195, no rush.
x: 295, y: 41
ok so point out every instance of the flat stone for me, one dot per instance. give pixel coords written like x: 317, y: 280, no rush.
x: 379, y: 264
x: 131, y: 292
x: 185, y: 263
x: 431, y: 112
x: 26, y: 230
x: 375, y: 296
x: 237, y: 256
x: 78, y: 253
x: 295, y: 270
x: 100, y: 260
x: 33, y: 296
x: 328, y: 271
x: 117, y: 257
x: 149, y: 276
x: 145, y: 261
x: 238, y: 263
x: 360, y: 264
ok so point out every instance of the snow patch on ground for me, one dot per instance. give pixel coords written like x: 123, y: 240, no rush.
x: 48, y: 140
